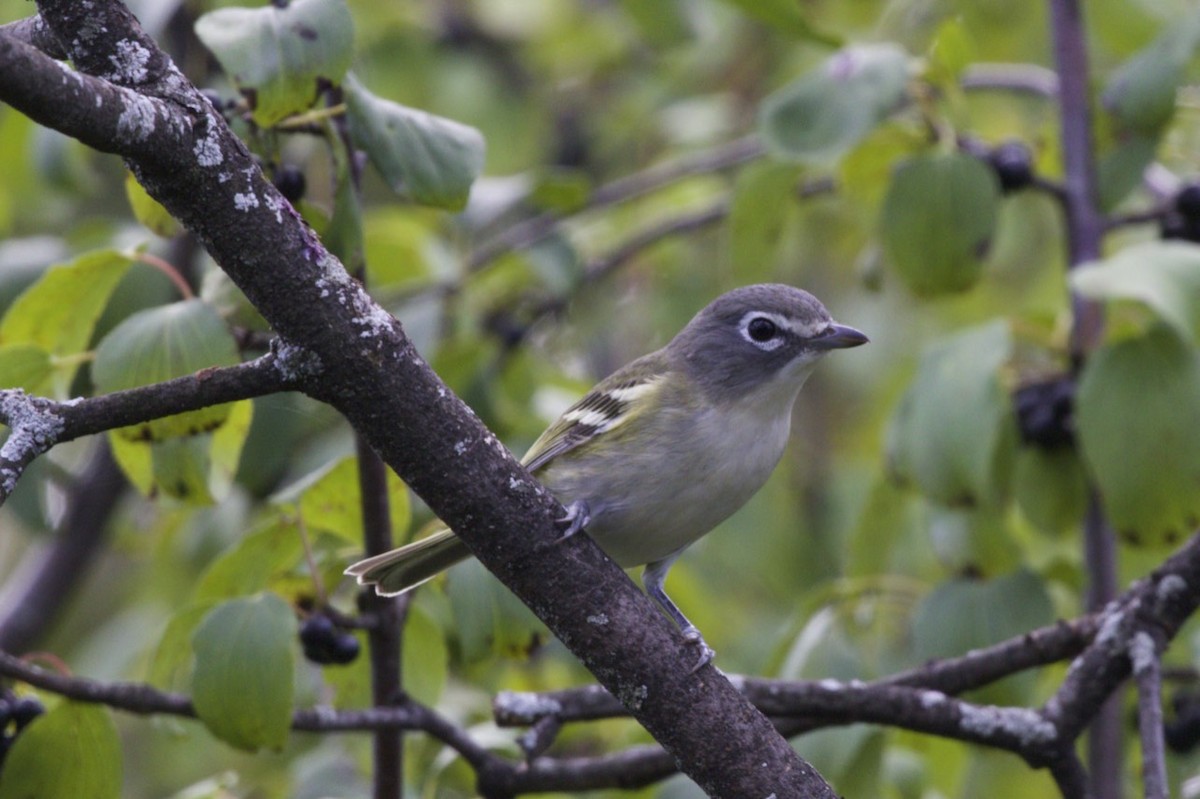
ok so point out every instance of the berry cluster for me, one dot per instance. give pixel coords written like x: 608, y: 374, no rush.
x: 1046, y: 412
x: 15, y: 714
x: 323, y: 642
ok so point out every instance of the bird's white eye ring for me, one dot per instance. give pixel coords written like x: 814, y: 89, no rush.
x: 763, y: 330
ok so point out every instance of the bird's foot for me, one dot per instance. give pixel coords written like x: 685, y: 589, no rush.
x: 577, y: 517
x: 694, y: 638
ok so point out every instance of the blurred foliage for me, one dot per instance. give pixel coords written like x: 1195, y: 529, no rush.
x: 909, y: 518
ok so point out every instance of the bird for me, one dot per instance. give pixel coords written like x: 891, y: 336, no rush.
x: 670, y: 445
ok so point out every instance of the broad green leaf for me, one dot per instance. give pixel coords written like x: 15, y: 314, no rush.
x: 1141, y: 93
x: 73, y: 750
x: 977, y: 541
x: 149, y: 211
x: 170, y: 666
x: 136, y: 459
x: 489, y: 618
x: 821, y: 115
x: 964, y: 614
x: 278, y: 55
x: 937, y: 220
x: 430, y: 159
x: 1164, y: 276
x: 1138, y: 416
x: 762, y: 196
x: 329, y: 499
x: 248, y: 567
x: 954, y: 429
x: 1122, y: 168
x: 242, y: 681
x: 161, y: 343
x: 1050, y: 487
x: 951, y: 51
x: 225, y: 452
x: 785, y: 16
x: 58, y: 313
x: 181, y: 467
x: 25, y: 366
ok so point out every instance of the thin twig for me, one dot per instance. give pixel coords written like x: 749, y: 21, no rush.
x: 1147, y: 675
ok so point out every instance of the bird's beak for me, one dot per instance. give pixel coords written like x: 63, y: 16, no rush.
x: 838, y: 337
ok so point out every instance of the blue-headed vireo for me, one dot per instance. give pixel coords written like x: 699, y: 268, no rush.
x: 668, y: 446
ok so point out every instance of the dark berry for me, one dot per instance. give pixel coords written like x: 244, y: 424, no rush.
x: 1013, y: 164
x: 290, y: 182
x: 324, y: 643
x: 25, y: 710
x: 1045, y: 412
x: 1182, y: 733
x: 1187, y: 201
x: 1172, y: 225
x: 344, y: 650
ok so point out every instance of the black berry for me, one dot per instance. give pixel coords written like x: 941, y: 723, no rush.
x: 324, y: 643
x: 1187, y: 201
x: 1182, y: 733
x: 290, y: 182
x: 1046, y: 413
x: 1013, y: 165
x: 214, y: 98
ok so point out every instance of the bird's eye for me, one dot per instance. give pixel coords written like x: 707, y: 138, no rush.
x: 761, y: 329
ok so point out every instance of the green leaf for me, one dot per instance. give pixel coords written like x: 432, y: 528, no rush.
x: 58, y: 313
x: 73, y: 750
x: 248, y: 567
x: 430, y: 159
x: 277, y: 56
x: 242, y: 682
x: 1122, y: 168
x: 963, y: 614
x: 1141, y: 93
x: 170, y: 666
x: 161, y: 343
x: 785, y: 16
x: 25, y: 366
x: 1138, y: 416
x: 1163, y: 276
x: 181, y: 467
x: 954, y: 428
x: 1050, y: 487
x: 489, y: 618
x: 225, y: 450
x: 818, y: 117
x: 762, y: 196
x: 330, y: 499
x: 937, y: 221
x: 149, y: 211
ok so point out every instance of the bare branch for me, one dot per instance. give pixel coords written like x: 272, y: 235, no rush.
x: 528, y: 232
x: 38, y: 423
x: 1147, y: 674
x: 1028, y: 78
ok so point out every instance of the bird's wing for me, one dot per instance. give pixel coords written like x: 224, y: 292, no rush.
x: 603, y: 408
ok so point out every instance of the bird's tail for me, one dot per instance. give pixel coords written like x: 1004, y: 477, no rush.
x: 407, y: 567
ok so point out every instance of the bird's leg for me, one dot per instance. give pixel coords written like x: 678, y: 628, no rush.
x: 653, y: 577
x: 577, y: 517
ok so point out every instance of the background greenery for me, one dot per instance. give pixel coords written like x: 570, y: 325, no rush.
x: 907, y: 521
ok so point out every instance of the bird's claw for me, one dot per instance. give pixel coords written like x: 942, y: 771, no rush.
x: 577, y: 517
x: 693, y: 637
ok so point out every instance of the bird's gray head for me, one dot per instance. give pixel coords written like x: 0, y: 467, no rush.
x: 768, y: 333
